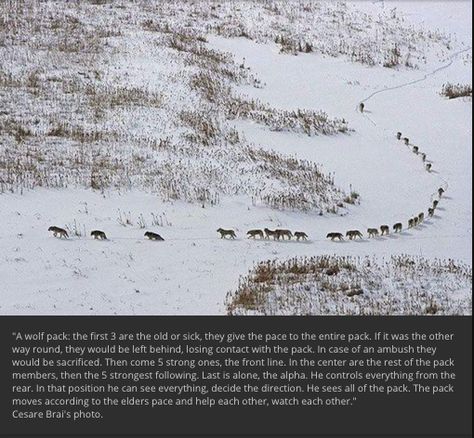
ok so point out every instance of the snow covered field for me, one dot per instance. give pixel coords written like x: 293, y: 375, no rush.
x: 192, y: 271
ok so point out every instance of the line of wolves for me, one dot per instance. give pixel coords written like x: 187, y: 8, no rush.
x: 415, y: 150
x: 351, y: 234
x: 265, y: 234
x: 385, y: 229
x: 283, y: 234
x: 406, y: 140
x: 97, y: 234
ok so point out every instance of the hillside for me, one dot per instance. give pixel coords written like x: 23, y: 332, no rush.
x: 183, y: 117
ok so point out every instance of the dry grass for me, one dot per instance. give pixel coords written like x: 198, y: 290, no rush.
x: 307, y: 122
x: 72, y: 115
x: 453, y: 91
x: 386, y: 40
x: 352, y: 286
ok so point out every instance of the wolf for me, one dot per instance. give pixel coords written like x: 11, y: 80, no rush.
x: 411, y: 223
x: 153, y: 236
x: 283, y: 233
x: 58, y: 232
x: 334, y: 236
x: 423, y: 157
x: 97, y: 234
x: 398, y: 227
x: 300, y: 235
x: 399, y: 135
x: 406, y: 140
x: 416, y: 149
x: 372, y: 232
x: 431, y: 212
x: 384, y: 229
x: 254, y: 233
x: 226, y: 233
x: 354, y: 234
x: 421, y: 218
x: 428, y: 167
x: 441, y: 192
x: 435, y: 204
x: 270, y: 233
x: 361, y: 107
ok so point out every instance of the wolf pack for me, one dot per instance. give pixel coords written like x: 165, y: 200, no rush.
x: 96, y: 234
x: 266, y: 233
x: 285, y: 234
x: 416, y: 150
x: 406, y: 141
x: 414, y: 221
x: 383, y: 230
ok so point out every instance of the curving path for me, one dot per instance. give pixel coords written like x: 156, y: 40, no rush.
x: 444, y: 182
x: 416, y: 81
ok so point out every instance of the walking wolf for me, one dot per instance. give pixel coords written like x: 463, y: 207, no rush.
x: 353, y: 234
x: 300, y: 235
x: 226, y: 233
x: 153, y: 236
x: 58, y: 232
x: 283, y: 234
x: 254, y: 233
x: 97, y: 234
x: 398, y: 227
x: 270, y: 233
x: 372, y: 232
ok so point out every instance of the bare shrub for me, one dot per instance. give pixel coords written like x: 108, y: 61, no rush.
x: 328, y: 285
x: 453, y: 91
x: 112, y: 97
x: 206, y: 129
x: 304, y: 121
x: 76, y: 229
x: 72, y: 115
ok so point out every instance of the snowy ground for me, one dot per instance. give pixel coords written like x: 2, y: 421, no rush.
x: 192, y: 270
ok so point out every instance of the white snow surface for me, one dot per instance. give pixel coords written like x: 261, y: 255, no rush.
x: 192, y: 270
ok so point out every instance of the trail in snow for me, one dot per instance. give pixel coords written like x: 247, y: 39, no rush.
x: 192, y: 270
x: 269, y: 241
x: 286, y: 94
x: 444, y: 181
x: 416, y: 81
